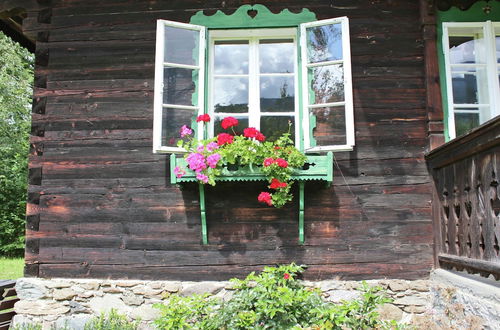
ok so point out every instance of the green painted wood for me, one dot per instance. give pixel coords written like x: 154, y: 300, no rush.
x: 301, y: 212
x: 204, y: 232
x: 262, y: 17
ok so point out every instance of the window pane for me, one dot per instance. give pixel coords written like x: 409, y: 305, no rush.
x: 230, y: 95
x: 242, y: 124
x: 181, y: 45
x: 173, y: 120
x: 231, y: 58
x: 277, y: 94
x: 179, y: 86
x: 330, y: 125
x: 276, y: 56
x: 327, y: 84
x: 497, y: 42
x: 468, y: 48
x: 464, y: 122
x: 273, y: 127
x: 324, y: 43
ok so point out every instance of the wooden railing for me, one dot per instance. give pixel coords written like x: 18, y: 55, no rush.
x: 7, y: 300
x: 466, y: 201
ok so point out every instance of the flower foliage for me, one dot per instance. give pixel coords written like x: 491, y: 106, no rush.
x: 278, y: 159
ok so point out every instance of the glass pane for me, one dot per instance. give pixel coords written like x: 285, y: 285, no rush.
x: 230, y: 95
x: 465, y: 122
x: 181, y: 45
x: 179, y: 86
x: 277, y: 94
x: 276, y: 56
x: 497, y: 42
x: 327, y: 84
x: 274, y: 127
x: 324, y: 43
x: 330, y: 126
x: 470, y: 86
x: 173, y: 120
x: 242, y: 124
x: 231, y: 57
x: 468, y: 47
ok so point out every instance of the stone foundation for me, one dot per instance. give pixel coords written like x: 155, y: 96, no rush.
x: 72, y: 302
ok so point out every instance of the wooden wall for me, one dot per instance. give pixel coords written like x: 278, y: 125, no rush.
x: 100, y: 202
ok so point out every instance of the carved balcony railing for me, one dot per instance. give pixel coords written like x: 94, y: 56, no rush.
x: 466, y: 201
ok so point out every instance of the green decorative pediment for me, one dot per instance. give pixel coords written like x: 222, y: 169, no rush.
x: 252, y: 16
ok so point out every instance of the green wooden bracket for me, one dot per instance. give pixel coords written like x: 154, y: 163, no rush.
x: 320, y: 168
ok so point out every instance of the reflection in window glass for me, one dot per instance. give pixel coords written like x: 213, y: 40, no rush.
x: 231, y: 57
x: 327, y: 83
x: 465, y: 88
x: 230, y: 95
x: 173, y: 120
x: 181, y: 45
x: 276, y: 56
x: 277, y: 94
x: 273, y: 127
x: 330, y: 125
x: 465, y: 122
x: 324, y: 43
x: 467, y: 49
x: 179, y: 85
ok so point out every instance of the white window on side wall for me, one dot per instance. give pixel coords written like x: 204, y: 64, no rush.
x: 270, y: 79
x: 472, y: 62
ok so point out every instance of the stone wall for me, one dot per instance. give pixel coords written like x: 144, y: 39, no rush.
x: 68, y: 302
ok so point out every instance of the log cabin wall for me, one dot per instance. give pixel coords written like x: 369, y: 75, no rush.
x: 100, y: 202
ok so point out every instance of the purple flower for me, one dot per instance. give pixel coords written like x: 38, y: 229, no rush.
x: 179, y: 172
x: 200, y: 148
x: 185, y: 131
x: 202, y: 177
x: 212, y: 146
x: 212, y: 160
x: 196, y: 162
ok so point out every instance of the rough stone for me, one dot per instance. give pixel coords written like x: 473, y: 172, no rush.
x: 75, y: 322
x: 40, y: 307
x: 172, y: 286
x: 415, y: 309
x: 63, y: 294
x: 329, y: 285
x: 90, y: 286
x: 106, y: 303
x: 145, y: 312
x: 132, y: 299
x: 86, y: 294
x: 127, y: 284
x: 112, y: 289
x: 30, y: 289
x: 398, y: 286
x: 202, y: 288
x: 411, y: 301
x: 390, y: 312
x: 147, y: 291
x: 57, y: 284
x: 156, y: 285
x: 420, y: 285
x: 77, y: 307
x: 337, y: 296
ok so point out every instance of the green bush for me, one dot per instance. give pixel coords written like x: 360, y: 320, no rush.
x: 111, y: 321
x: 16, y: 79
x: 274, y: 299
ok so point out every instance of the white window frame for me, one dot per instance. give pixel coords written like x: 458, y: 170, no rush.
x: 253, y: 36
x: 491, y: 109
x: 160, y: 64
x: 348, y: 97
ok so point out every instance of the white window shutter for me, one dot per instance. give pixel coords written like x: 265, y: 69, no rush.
x: 179, y: 82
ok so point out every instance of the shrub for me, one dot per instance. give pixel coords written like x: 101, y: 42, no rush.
x: 111, y: 321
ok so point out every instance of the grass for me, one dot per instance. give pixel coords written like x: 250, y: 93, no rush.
x: 11, y: 268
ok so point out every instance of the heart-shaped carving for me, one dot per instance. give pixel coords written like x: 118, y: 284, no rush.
x: 468, y: 208
x: 252, y: 13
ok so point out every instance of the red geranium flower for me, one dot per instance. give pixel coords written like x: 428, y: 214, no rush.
x: 260, y: 137
x: 205, y: 118
x: 265, y: 197
x: 268, y: 161
x: 275, y: 184
x: 286, y: 276
x: 282, y: 163
x: 224, y: 138
x: 276, y: 148
x: 229, y: 122
x: 250, y: 132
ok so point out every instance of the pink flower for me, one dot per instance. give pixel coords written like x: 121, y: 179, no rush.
x: 265, y: 197
x: 286, y: 276
x: 200, y: 148
x: 185, y: 131
x: 224, y: 138
x: 212, y: 146
x: 268, y: 162
x: 282, y: 163
x: 229, y: 122
x: 179, y: 172
x: 212, y: 160
x: 204, y: 118
x: 250, y: 132
x: 202, y: 177
x: 196, y: 162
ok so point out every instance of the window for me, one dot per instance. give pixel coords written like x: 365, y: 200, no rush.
x: 472, y: 61
x: 267, y: 78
